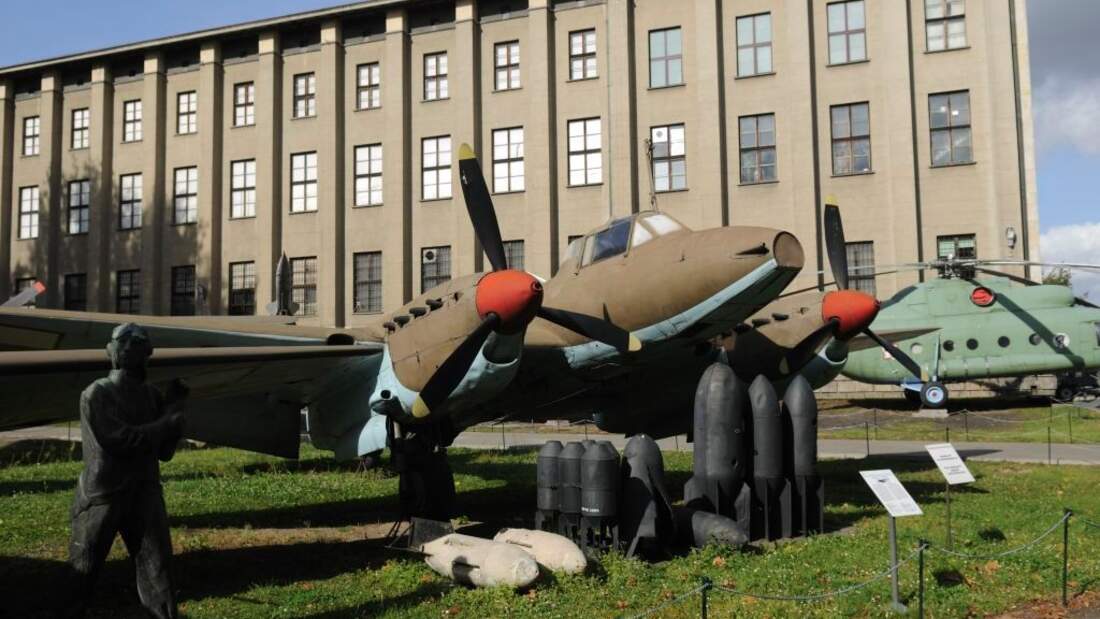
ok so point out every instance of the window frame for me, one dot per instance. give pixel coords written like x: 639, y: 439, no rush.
x: 304, y: 104
x: 79, y: 132
x: 510, y: 160
x: 847, y: 33
x: 516, y: 259
x: 757, y: 149
x: 133, y: 299
x: 586, y: 152
x: 371, y: 286
x: 30, y: 210
x: 79, y: 206
x: 858, y: 278
x: 438, y: 169
x: 305, y: 183
x: 437, y: 279
x: 235, y: 307
x: 954, y: 240
x: 190, y: 200
x: 372, y: 87
x: 584, y: 56
x: 850, y: 140
x: 182, y: 292
x: 754, y: 46
x: 950, y: 130
x: 244, y: 108
x: 246, y: 191
x: 71, y: 302
x: 305, y: 287
x: 668, y: 59
x: 510, y: 67
x: 187, y: 112
x: 945, y: 21
x: 368, y: 175
x: 132, y: 116
x: 32, y: 136
x: 138, y: 201
x: 440, y: 80
x: 668, y: 159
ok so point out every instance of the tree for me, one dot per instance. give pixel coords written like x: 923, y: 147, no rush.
x: 1059, y: 276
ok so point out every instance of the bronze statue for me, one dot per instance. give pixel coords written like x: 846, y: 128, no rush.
x: 126, y: 425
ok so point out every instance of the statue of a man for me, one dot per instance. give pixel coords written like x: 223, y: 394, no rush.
x: 126, y: 425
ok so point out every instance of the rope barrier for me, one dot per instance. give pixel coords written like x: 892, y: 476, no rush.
x: 1089, y: 523
x: 1006, y: 553
x: 668, y: 603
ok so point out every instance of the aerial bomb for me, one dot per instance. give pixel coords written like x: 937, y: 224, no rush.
x: 720, y: 457
x: 569, y: 491
x: 645, y: 514
x: 699, y: 528
x: 772, y: 490
x: 599, y: 494
x: 480, y: 562
x: 809, y: 488
x: 548, y: 485
x: 551, y: 551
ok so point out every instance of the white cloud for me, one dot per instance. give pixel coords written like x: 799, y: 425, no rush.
x: 1067, y: 113
x: 1079, y: 243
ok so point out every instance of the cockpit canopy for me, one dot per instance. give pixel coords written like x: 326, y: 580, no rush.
x: 620, y: 234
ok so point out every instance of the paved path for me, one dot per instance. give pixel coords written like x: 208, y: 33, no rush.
x: 1061, y: 453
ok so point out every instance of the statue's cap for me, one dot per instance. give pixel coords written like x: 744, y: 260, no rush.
x: 129, y: 329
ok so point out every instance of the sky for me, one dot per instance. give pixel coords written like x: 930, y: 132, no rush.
x: 1065, y: 80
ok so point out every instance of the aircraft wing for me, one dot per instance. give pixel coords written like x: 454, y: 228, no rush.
x: 246, y: 397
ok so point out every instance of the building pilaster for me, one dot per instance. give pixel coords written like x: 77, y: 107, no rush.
x: 7, y: 231
x: 397, y: 193
x: 156, y: 196
x: 330, y: 191
x: 208, y: 263
x: 269, y: 171
x: 104, y: 219
x: 52, y: 218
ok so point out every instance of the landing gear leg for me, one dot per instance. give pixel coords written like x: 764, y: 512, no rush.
x: 427, y: 487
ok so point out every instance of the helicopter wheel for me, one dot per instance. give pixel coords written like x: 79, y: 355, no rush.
x: 933, y: 395
x: 1065, y: 392
x: 912, y: 396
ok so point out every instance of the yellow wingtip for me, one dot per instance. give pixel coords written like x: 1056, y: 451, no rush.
x: 420, y: 409
x: 465, y: 152
x: 635, y: 344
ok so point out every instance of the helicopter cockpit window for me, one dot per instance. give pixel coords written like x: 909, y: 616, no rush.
x: 610, y: 241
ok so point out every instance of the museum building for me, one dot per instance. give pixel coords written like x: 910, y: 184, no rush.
x: 169, y: 176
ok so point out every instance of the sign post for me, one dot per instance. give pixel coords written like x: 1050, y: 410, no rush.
x: 954, y: 471
x: 899, y: 504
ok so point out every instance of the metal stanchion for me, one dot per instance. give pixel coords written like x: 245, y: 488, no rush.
x: 895, y: 595
x: 875, y: 411
x: 703, y: 601
x: 966, y: 424
x: 920, y: 579
x: 947, y: 433
x: 867, y: 438
x: 947, y: 500
x: 1049, y: 459
x: 1065, y: 556
x: 503, y: 445
x: 1069, y: 423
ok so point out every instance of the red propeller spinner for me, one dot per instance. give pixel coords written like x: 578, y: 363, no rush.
x: 514, y: 296
x: 853, y: 310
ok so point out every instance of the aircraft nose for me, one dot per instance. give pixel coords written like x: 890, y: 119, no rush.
x: 853, y: 311
x: 514, y: 296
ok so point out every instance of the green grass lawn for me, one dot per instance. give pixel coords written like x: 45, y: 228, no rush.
x: 261, y: 537
x: 1024, y: 425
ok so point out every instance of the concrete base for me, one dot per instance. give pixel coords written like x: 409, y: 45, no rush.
x: 931, y: 413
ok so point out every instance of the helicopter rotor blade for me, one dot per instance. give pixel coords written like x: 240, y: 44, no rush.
x: 1028, y: 282
x: 480, y: 207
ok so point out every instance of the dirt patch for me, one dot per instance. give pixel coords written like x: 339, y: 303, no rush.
x: 1083, y: 606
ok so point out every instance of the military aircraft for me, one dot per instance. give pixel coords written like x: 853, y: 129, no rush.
x: 621, y: 333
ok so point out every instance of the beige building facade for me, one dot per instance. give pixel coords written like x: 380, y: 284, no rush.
x: 169, y: 176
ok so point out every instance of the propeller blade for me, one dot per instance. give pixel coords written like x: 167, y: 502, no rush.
x: 797, y: 357
x: 593, y: 328
x: 905, y: 360
x: 480, y: 207
x: 834, y: 245
x: 453, y: 369
x: 25, y: 296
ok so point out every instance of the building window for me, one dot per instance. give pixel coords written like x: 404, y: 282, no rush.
x: 851, y: 139
x: 81, y: 120
x: 242, y: 288
x: 303, y: 183
x: 668, y: 156
x: 242, y: 197
x: 507, y: 65
x: 582, y: 54
x: 513, y: 253
x: 435, y: 168
x: 185, y: 203
x: 435, y: 267
x: 368, y: 283
x: 959, y: 246
x: 945, y: 24
x: 758, y: 148
x: 76, y: 292
x: 754, y: 45
x: 183, y: 290
x: 28, y: 212
x: 508, y: 160
x: 666, y: 60
x: 949, y: 120
x: 128, y: 292
x: 80, y: 201
x: 21, y: 284
x: 585, y: 152
x: 861, y: 266
x: 369, y: 86
x: 847, y: 32
x: 187, y: 112
x: 131, y: 121
x: 129, y: 201
x: 32, y: 130
x: 435, y: 76
x: 304, y: 284
x: 305, y: 95
x: 244, y: 104
x: 368, y: 175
